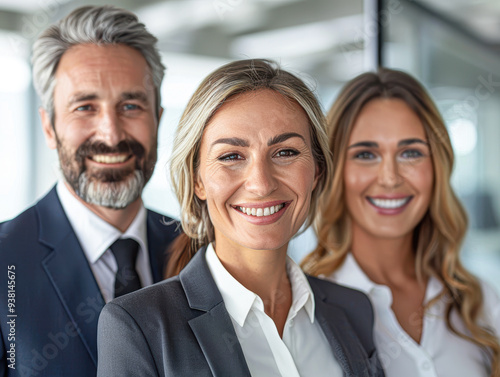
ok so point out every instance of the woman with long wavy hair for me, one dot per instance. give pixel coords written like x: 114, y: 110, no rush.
x: 392, y: 227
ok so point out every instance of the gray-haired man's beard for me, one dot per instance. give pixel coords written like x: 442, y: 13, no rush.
x: 111, y: 188
x: 116, y: 195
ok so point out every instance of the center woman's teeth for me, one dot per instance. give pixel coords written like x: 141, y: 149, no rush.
x: 109, y: 159
x: 259, y: 212
x: 389, y: 203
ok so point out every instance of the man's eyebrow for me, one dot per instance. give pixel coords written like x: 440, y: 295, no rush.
x: 81, y: 97
x: 141, y: 96
x: 405, y: 142
x: 283, y: 137
x: 366, y: 144
x: 236, y: 141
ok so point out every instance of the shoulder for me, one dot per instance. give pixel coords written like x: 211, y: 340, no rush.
x: 347, y: 298
x: 491, y: 306
x: 21, y: 229
x: 162, y: 299
x: 163, y: 224
x: 355, y: 305
x: 161, y: 219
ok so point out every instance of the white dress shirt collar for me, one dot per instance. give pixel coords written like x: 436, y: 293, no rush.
x: 351, y: 275
x: 301, y: 350
x: 94, y: 234
x: 239, y: 300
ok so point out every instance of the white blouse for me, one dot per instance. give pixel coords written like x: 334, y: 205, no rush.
x: 303, y: 350
x: 440, y: 353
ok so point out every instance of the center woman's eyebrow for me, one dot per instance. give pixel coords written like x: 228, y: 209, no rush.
x: 402, y: 143
x: 235, y: 141
x: 283, y: 137
x: 238, y: 142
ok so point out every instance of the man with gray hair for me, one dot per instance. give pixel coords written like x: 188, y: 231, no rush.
x: 90, y: 239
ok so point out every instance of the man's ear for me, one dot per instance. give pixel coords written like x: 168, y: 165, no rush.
x: 199, y: 189
x: 48, y: 130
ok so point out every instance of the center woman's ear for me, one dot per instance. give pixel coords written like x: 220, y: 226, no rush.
x: 199, y: 188
x: 317, y: 175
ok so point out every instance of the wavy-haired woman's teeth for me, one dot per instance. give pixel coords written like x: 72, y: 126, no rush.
x: 389, y: 203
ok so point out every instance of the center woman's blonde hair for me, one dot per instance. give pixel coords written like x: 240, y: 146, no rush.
x: 230, y: 80
x: 438, y: 237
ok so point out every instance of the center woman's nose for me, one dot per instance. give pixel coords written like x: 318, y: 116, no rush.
x: 261, y: 177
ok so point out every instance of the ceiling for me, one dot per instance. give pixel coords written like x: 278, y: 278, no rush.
x: 482, y: 17
x: 325, y: 38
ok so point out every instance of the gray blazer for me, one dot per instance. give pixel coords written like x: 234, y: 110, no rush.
x: 180, y: 327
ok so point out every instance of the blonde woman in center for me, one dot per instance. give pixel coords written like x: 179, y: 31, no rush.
x: 391, y: 227
x: 250, y: 160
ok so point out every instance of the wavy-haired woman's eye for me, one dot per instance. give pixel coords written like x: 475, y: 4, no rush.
x: 364, y: 155
x: 411, y: 154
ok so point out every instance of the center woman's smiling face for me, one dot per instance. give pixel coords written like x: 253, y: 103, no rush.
x: 256, y: 171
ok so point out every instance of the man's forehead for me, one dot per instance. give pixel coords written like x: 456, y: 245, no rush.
x: 90, y: 69
x: 89, y: 59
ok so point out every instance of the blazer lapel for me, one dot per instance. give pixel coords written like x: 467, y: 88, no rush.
x: 213, y: 329
x: 350, y: 353
x: 69, y: 272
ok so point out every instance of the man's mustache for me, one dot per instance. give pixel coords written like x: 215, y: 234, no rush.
x: 89, y: 148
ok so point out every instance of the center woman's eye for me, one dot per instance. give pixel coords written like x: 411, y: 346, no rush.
x: 230, y: 157
x: 286, y: 153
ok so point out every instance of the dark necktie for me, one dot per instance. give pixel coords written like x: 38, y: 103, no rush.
x: 127, y: 280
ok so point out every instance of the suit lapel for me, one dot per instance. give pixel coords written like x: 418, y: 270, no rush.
x: 349, y: 352
x: 213, y: 329
x: 69, y: 271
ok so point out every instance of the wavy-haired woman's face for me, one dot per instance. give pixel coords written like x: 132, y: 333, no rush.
x: 388, y: 173
x: 256, y: 171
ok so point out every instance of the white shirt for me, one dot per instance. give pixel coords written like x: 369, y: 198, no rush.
x: 304, y: 349
x: 96, y: 236
x: 440, y: 352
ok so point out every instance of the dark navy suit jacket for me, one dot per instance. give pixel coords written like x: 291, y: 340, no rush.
x: 180, y: 327
x: 55, y: 299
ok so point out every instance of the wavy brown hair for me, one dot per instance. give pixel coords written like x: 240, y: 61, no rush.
x: 438, y: 237
x: 232, y: 79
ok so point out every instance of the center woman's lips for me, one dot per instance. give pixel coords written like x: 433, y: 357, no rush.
x: 262, y: 213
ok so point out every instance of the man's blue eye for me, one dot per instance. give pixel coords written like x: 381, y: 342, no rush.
x: 83, y: 108
x: 130, y: 106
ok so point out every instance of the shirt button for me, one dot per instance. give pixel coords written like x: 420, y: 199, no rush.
x: 290, y: 323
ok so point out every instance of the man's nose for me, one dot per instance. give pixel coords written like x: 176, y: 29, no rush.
x: 109, y: 126
x: 260, y: 179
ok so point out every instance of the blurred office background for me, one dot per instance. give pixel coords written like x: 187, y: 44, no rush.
x: 452, y: 46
